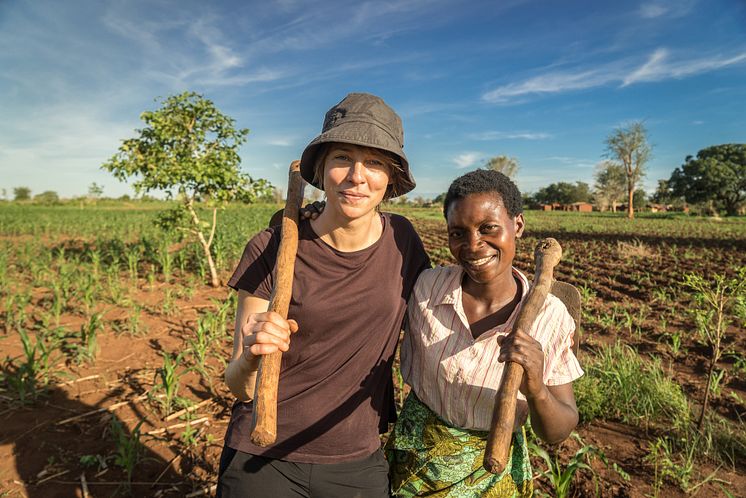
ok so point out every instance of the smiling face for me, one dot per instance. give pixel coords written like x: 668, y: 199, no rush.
x: 355, y: 180
x: 481, y: 236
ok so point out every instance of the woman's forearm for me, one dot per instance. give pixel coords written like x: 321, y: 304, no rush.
x: 240, y: 373
x: 552, y: 419
x: 240, y: 378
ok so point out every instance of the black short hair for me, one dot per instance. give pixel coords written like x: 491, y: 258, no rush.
x: 485, y: 180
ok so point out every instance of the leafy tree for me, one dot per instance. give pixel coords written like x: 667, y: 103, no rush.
x: 611, y: 184
x: 629, y: 145
x: 48, y: 197
x: 564, y: 193
x: 640, y: 199
x: 529, y: 200
x: 275, y: 195
x: 439, y: 199
x: 21, y: 193
x: 508, y: 166
x: 95, y: 191
x: 718, y: 175
x: 190, y: 147
x: 662, y: 194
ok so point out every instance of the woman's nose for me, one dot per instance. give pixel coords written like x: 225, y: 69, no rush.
x: 474, y: 240
x: 357, y: 172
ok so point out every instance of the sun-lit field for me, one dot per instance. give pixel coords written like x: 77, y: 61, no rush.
x: 113, y: 348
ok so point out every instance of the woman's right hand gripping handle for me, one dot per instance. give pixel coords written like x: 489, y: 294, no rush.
x: 257, y: 332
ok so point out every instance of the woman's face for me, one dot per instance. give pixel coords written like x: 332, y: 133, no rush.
x: 355, y: 179
x: 481, y: 236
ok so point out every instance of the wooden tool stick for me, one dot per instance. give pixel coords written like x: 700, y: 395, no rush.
x: 547, y: 254
x: 264, y: 422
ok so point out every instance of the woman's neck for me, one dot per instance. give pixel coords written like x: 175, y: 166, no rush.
x: 491, y: 304
x: 348, y: 235
x: 494, y: 294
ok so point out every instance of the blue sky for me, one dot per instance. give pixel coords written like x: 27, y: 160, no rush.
x: 543, y: 81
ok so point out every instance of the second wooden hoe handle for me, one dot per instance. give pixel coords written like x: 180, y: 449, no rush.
x: 264, y: 422
x: 547, y: 254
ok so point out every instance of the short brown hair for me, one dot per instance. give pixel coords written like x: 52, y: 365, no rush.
x: 396, y: 171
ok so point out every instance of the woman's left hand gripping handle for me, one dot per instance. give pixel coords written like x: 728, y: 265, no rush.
x: 265, y: 333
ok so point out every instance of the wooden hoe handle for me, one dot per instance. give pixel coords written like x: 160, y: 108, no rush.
x: 264, y: 421
x: 547, y: 254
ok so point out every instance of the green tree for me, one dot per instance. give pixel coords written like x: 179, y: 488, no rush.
x: 629, y: 145
x: 48, y: 197
x: 564, y: 193
x: 664, y: 195
x: 190, y: 148
x: 718, y: 175
x: 21, y: 193
x: 508, y: 166
x: 610, y: 186
x: 95, y: 191
x: 640, y: 199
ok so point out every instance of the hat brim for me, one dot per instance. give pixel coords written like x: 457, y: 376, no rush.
x: 357, y: 133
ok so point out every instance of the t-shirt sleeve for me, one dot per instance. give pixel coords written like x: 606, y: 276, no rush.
x: 564, y: 366
x: 255, y: 271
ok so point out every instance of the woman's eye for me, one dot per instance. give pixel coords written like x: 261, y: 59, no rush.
x: 342, y: 157
x: 375, y: 163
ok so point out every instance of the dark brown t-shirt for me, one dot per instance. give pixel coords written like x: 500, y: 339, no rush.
x: 335, y: 392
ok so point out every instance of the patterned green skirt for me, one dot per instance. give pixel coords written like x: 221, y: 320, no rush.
x: 428, y: 457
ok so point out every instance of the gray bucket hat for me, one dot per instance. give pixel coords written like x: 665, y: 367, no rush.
x: 361, y: 119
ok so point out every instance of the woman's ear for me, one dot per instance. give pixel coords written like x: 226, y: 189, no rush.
x: 520, y: 224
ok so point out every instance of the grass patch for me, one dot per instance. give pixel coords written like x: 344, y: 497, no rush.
x: 621, y: 385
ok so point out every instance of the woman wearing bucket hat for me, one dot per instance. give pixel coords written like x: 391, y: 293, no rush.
x: 354, y: 271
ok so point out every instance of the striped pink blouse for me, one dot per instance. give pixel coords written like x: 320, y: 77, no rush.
x: 456, y: 375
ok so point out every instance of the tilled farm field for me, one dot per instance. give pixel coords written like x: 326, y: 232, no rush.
x: 113, y: 350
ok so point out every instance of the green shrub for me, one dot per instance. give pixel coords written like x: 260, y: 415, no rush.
x: 621, y: 385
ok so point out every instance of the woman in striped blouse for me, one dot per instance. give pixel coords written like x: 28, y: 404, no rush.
x: 455, y: 348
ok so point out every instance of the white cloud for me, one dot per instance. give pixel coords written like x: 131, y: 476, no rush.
x: 650, y: 68
x: 281, y: 141
x: 222, y: 56
x: 657, y: 67
x: 503, y: 135
x: 667, y: 8
x: 467, y: 159
x: 652, y: 10
x: 575, y: 162
x: 550, y: 83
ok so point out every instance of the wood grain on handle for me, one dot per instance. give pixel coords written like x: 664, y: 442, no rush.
x: 547, y: 254
x: 264, y: 421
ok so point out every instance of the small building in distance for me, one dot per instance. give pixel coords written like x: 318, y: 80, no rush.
x: 663, y: 208
x: 657, y: 208
x: 583, y: 207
